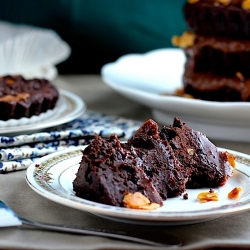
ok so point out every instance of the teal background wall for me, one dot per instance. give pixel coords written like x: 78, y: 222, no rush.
x: 100, y: 31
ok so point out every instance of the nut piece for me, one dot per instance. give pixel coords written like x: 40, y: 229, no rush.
x: 190, y: 151
x: 235, y: 193
x: 224, y: 2
x: 138, y: 201
x: 207, y: 196
x: 245, y: 5
x: 180, y: 93
x: 193, y: 1
x: 10, y: 81
x: 185, y: 40
x: 231, y: 159
x: 240, y: 76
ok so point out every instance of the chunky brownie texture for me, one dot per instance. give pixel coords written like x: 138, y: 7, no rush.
x: 109, y: 170
x: 24, y: 98
x: 209, y: 167
x: 217, y: 64
x: 157, y: 163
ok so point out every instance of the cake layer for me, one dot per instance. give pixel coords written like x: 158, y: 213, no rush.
x: 207, y: 86
x: 220, y: 56
x: 218, y: 18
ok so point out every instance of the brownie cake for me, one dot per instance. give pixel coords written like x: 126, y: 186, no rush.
x: 227, y: 18
x: 217, y: 50
x: 157, y: 163
x: 109, y: 170
x: 24, y: 98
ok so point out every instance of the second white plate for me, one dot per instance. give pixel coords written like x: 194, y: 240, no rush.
x: 144, y: 78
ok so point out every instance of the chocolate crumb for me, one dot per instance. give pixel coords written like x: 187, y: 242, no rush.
x: 211, y: 190
x: 185, y: 196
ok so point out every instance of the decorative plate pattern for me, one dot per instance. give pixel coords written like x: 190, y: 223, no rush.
x: 52, y: 177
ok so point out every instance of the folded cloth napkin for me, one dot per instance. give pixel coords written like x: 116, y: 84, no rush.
x: 18, y: 152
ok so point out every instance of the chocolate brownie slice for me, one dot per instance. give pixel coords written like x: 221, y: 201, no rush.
x: 109, y: 170
x: 209, y: 167
x: 218, y: 18
x: 158, y: 161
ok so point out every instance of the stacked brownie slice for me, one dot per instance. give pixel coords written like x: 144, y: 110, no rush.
x: 217, y: 49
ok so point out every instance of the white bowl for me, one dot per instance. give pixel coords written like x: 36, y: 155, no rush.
x: 144, y: 78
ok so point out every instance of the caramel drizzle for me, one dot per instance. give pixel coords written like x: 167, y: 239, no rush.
x: 18, y: 97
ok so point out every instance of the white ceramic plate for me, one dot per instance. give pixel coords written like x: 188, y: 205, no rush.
x: 69, y: 107
x: 143, y: 78
x: 54, y: 175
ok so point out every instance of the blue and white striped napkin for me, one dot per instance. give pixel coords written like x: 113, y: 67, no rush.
x: 18, y: 152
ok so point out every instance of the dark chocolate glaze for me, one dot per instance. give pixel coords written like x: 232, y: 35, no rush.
x: 209, y: 167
